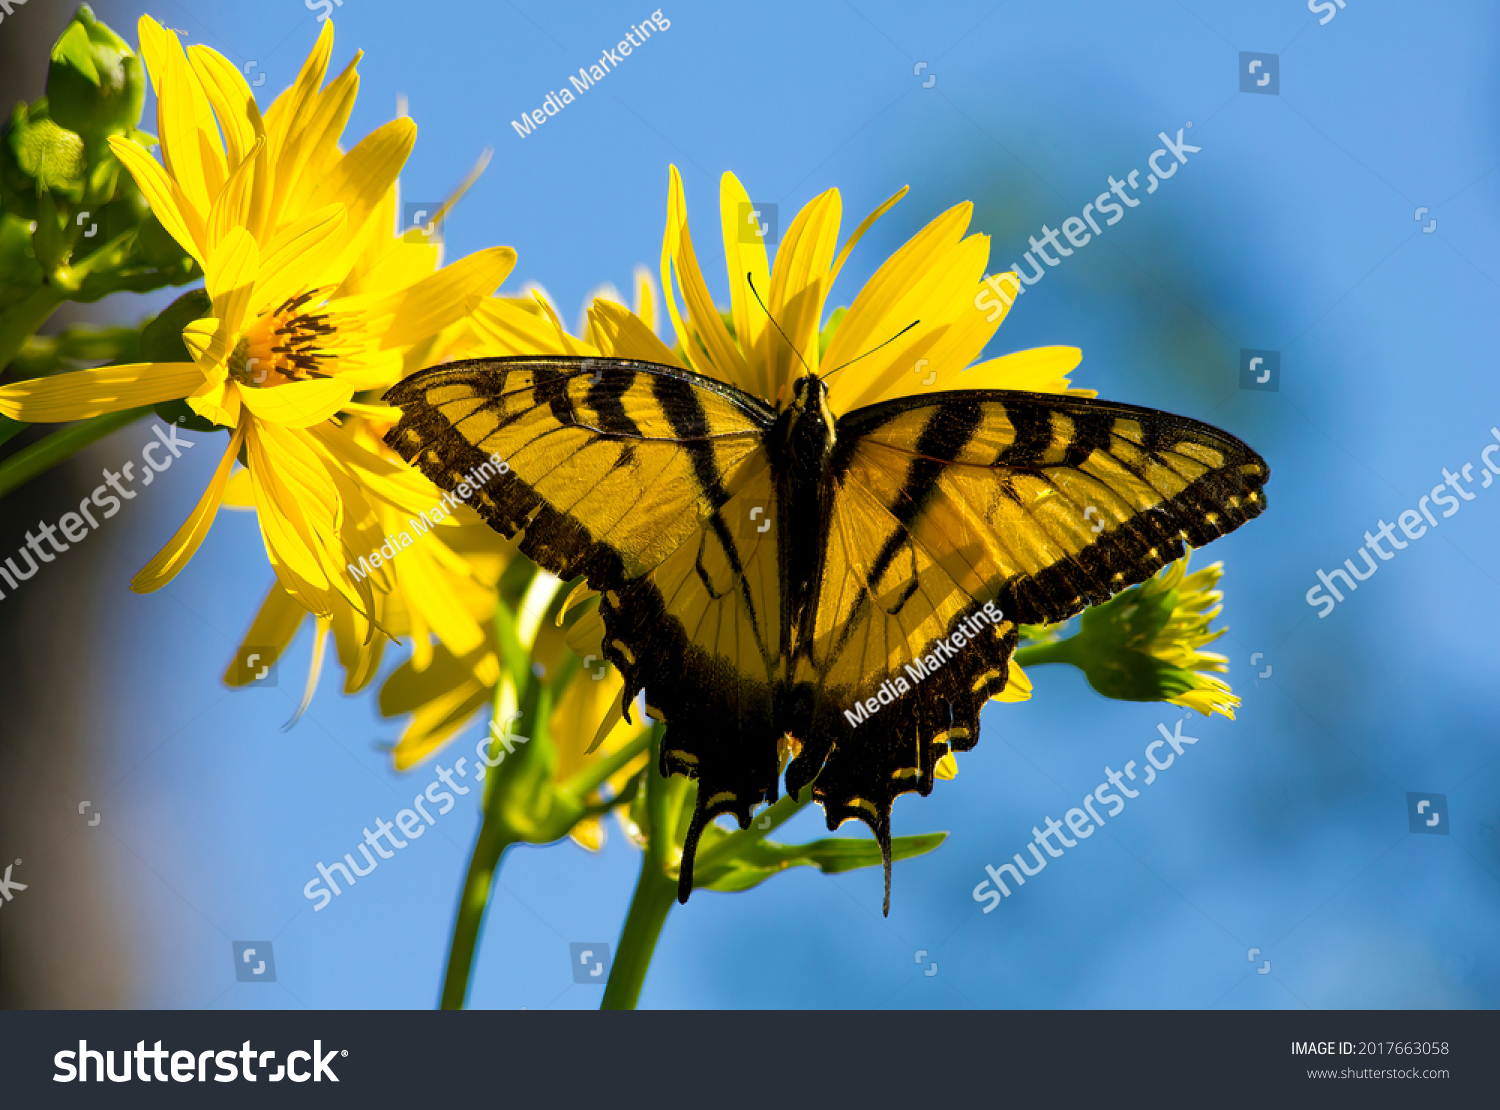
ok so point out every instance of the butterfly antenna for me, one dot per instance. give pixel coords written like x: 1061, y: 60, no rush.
x: 777, y: 326
x: 856, y: 358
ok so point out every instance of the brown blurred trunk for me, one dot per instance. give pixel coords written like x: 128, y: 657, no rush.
x: 65, y: 940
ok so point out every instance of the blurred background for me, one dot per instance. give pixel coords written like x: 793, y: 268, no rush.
x: 1293, y: 230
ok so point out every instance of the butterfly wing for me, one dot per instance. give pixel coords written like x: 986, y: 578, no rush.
x: 1042, y: 504
x: 654, y: 484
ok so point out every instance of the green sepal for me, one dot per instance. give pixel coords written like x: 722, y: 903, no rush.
x: 161, y: 339
x: 179, y: 412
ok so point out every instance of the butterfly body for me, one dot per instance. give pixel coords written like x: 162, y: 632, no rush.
x: 845, y: 588
x: 799, y: 446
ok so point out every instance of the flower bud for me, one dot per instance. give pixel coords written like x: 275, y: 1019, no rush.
x: 96, y: 83
x: 37, y: 155
x: 1143, y: 644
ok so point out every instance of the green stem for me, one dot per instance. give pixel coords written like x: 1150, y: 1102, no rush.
x: 476, y: 898
x: 586, y: 780
x: 495, y: 834
x: 655, y: 889
x: 1055, y: 651
x: 62, y: 445
x: 654, y: 897
x: 20, y: 321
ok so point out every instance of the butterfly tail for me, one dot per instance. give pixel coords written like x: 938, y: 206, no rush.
x: 883, y: 834
x: 689, y: 851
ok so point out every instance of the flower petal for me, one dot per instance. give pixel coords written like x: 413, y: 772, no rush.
x: 217, y: 399
x: 230, y: 277
x: 897, y: 285
x: 442, y: 298
x: 284, y: 267
x: 799, y: 285
x: 360, y: 180
x: 1038, y: 370
x: 239, y: 495
x: 313, y: 147
x: 168, y: 202
x: 443, y: 698
x: 207, y: 340
x: 231, y: 208
x: 705, y: 340
x: 271, y: 632
x: 934, y: 280
x: 233, y: 102
x: 511, y: 326
x: 190, y: 142
x: 359, y: 653
x: 290, y: 111
x: 645, y: 297
x: 859, y: 232
x: 623, y: 335
x: 85, y: 393
x: 298, y: 404
x: 299, y: 512
x: 184, y: 544
x: 744, y: 258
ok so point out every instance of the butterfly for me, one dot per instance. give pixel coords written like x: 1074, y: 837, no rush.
x: 842, y: 590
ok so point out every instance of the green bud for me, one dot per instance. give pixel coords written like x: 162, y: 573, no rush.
x: 37, y: 155
x: 1112, y: 648
x: 1144, y: 643
x: 96, y: 83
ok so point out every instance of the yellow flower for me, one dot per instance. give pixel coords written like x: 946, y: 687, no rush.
x: 444, y: 591
x: 314, y: 300
x: 1143, y: 644
x: 935, y: 279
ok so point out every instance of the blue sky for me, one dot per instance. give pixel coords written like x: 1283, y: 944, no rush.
x: 1293, y: 229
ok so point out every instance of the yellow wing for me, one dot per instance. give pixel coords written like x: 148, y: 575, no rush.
x: 654, y: 485
x: 1037, y: 504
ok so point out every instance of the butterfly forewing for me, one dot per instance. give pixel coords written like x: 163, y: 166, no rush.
x: 656, y: 486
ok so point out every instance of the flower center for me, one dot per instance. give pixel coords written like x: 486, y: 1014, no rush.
x: 294, y: 342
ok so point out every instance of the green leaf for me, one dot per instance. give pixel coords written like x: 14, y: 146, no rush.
x: 10, y: 428
x: 761, y: 859
x: 72, y: 347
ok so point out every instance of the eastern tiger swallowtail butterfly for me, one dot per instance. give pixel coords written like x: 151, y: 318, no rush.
x: 774, y: 574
